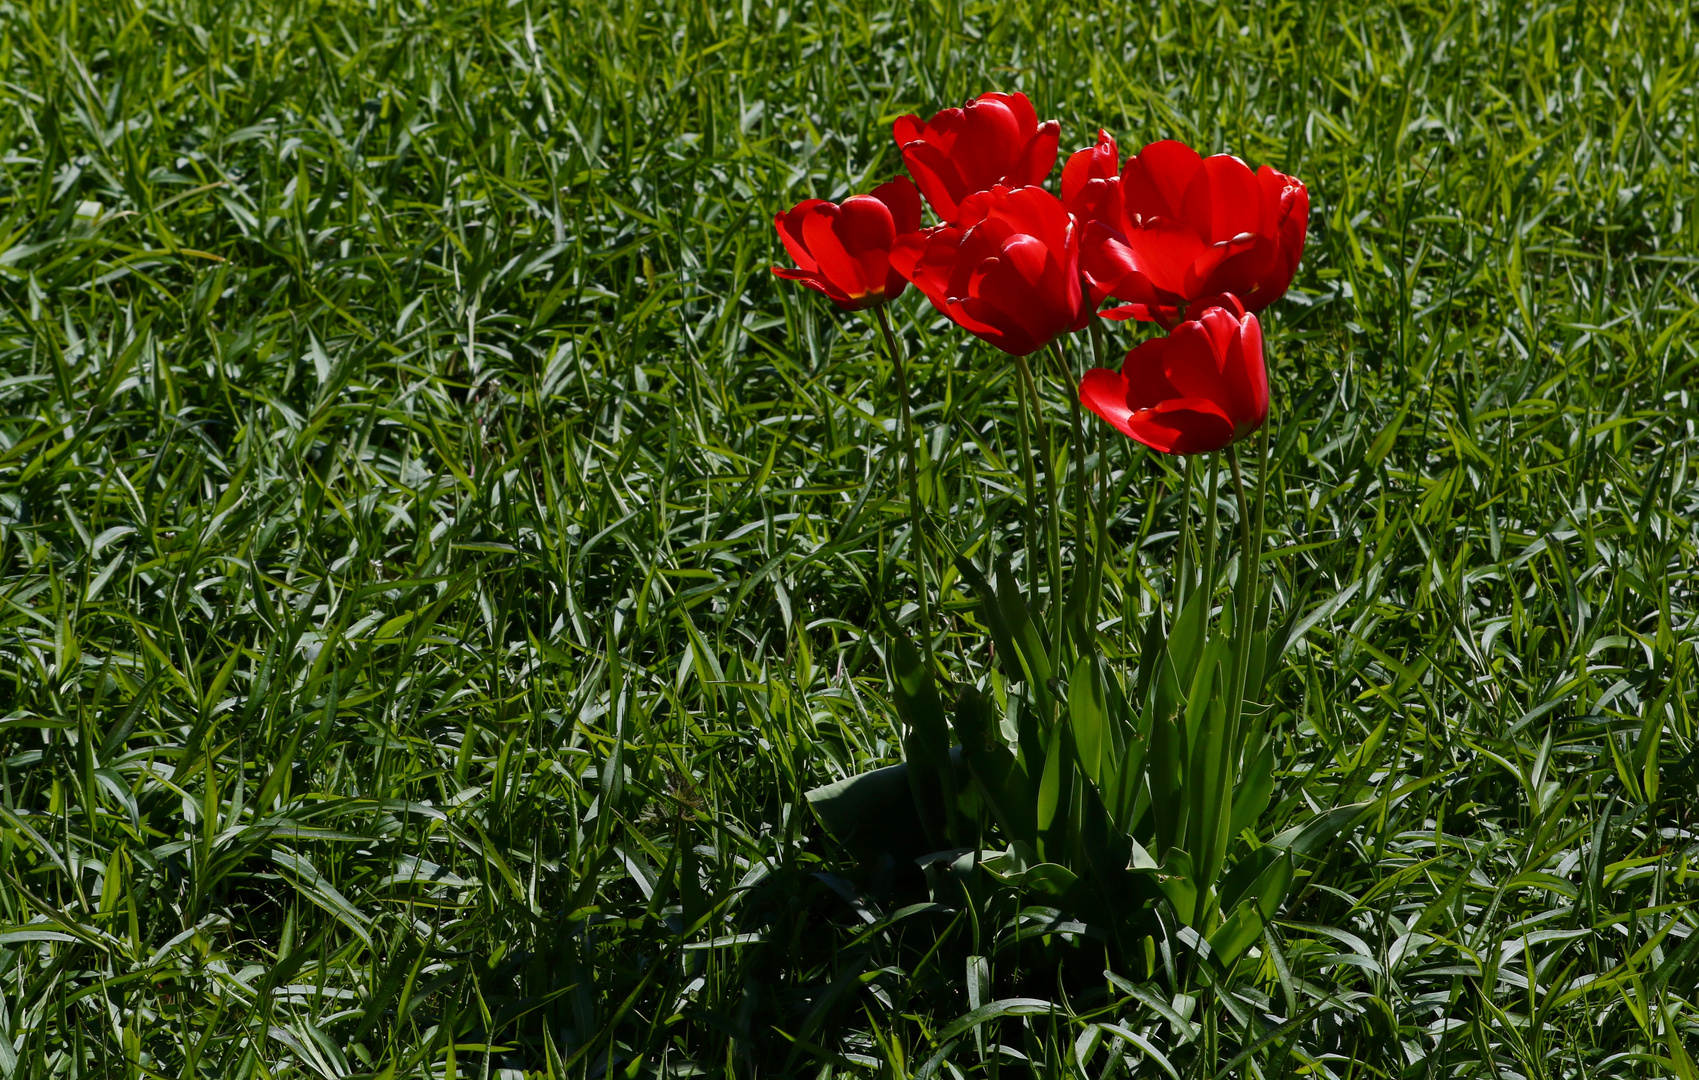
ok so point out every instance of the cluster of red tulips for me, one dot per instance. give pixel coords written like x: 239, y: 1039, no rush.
x: 1194, y: 244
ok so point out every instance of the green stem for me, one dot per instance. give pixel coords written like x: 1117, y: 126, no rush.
x: 1053, y: 530
x: 918, y: 535
x: 1029, y: 508
x: 1082, y: 491
x: 1208, y: 585
x: 1183, y: 575
x: 1243, y: 617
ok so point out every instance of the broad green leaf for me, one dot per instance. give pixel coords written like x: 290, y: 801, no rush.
x: 1053, y: 790
x: 1256, y: 785
x: 1028, y: 637
x: 1088, y: 715
x: 1001, y: 781
x: 1178, y: 881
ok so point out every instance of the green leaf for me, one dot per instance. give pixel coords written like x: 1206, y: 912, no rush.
x: 1256, y: 786
x: 1186, y: 637
x: 1053, y: 789
x: 1028, y: 638
x: 1001, y: 781
x: 1088, y: 715
x: 1308, y: 838
x: 991, y: 609
x: 1163, y: 769
x: 1005, y: 1007
x: 916, y: 699
x: 1178, y: 881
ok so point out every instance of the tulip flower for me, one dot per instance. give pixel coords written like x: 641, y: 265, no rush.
x: 1199, y: 389
x: 1008, y: 272
x: 844, y: 251
x: 1091, y: 185
x: 1193, y: 227
x: 994, y: 139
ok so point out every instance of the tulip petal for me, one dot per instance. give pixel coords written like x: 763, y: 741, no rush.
x: 907, y: 129
x: 1155, y: 179
x: 821, y: 230
x: 903, y: 200
x: 1165, y: 251
x: 1098, y: 162
x: 1182, y: 426
x: 1223, y: 201
x: 1247, y: 377
x: 1145, y: 374
x: 818, y: 284
x: 1104, y: 392
x: 936, y: 176
x: 866, y: 230
x: 1037, y: 159
x: 1193, y: 363
x: 789, y: 226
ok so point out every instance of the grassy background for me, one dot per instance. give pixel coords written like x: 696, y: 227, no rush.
x: 436, y: 554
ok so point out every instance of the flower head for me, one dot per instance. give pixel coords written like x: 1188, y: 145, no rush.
x: 844, y: 252
x: 1198, y: 389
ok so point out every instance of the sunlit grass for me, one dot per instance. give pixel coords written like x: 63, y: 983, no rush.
x: 437, y: 556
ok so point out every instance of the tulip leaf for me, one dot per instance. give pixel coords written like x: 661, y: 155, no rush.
x: 1088, y: 714
x: 1053, y: 789
x: 992, y: 610
x: 1250, y: 908
x: 1001, y: 781
x: 1236, y: 933
x: 1167, y: 807
x: 1256, y: 785
x: 1210, y: 775
x: 1186, y: 636
x: 916, y: 699
x: 1307, y: 838
x: 1026, y: 634
x: 1178, y: 882
x: 926, y: 738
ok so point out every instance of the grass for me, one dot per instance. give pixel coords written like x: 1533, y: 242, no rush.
x: 437, y: 556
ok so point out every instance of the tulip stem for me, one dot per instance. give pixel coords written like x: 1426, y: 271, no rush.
x: 1029, y: 508
x: 1243, y: 610
x: 1182, y: 573
x: 918, y: 542
x: 1082, y: 492
x: 1052, y: 530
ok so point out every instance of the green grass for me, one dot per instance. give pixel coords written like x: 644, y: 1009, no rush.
x: 437, y: 555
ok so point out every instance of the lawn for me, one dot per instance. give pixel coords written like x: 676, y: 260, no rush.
x: 438, y: 556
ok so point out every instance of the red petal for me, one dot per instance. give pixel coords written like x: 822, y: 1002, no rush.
x: 990, y: 141
x: 818, y: 284
x: 1165, y: 252
x: 1223, y: 201
x: 937, y: 177
x: 1183, y: 426
x: 1193, y: 365
x: 865, y: 229
x: 1104, y: 392
x: 1154, y: 181
x: 837, y: 265
x: 903, y: 200
x: 1148, y: 384
x: 1247, y: 377
x: 906, y: 129
x: 1037, y: 158
x: 790, y: 233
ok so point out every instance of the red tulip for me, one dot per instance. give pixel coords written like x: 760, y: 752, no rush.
x: 1091, y: 184
x: 845, y: 251
x: 994, y: 139
x: 1008, y: 272
x: 1193, y: 227
x: 1196, y: 390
